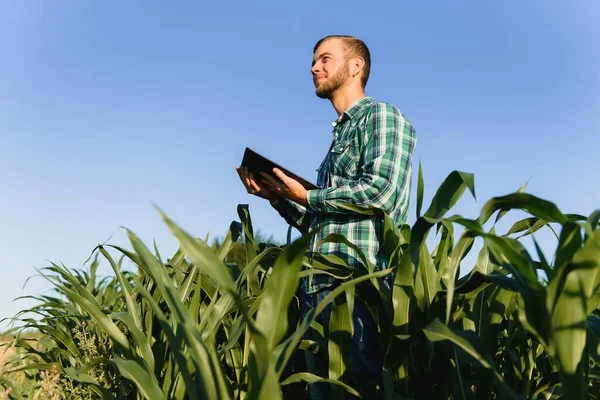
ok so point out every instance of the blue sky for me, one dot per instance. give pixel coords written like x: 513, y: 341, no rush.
x: 107, y: 108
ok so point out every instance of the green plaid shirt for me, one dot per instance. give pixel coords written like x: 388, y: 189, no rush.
x: 368, y: 164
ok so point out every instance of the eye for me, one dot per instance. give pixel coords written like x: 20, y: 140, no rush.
x: 326, y: 58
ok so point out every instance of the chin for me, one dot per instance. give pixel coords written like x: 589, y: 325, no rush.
x: 322, y: 93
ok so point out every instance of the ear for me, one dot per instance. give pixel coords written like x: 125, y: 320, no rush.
x: 356, y: 66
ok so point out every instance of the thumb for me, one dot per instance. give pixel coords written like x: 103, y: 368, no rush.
x: 278, y: 173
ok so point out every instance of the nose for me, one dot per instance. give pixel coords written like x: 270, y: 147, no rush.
x: 316, y: 67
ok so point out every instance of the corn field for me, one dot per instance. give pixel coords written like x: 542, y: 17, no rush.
x: 520, y: 325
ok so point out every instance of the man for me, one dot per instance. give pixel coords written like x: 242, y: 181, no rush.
x: 368, y: 164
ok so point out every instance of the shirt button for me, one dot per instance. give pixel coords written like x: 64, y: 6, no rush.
x: 334, y: 124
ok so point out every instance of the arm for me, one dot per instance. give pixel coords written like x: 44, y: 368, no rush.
x: 384, y: 172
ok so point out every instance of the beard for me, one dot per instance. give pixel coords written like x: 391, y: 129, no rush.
x: 326, y: 89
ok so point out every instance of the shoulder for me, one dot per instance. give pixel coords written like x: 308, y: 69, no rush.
x: 381, y: 110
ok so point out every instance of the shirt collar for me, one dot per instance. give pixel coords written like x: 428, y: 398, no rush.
x: 353, y: 111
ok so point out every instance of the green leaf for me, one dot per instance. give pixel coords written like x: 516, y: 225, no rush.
x: 570, y: 312
x: 402, y: 292
x: 269, y: 389
x: 450, y: 274
x: 146, y: 386
x: 188, y: 284
x: 530, y: 225
x: 232, y: 236
x: 445, y: 198
x: 445, y: 246
x: 437, y: 331
x: 503, y: 212
x: 140, y: 339
x: 202, y: 255
x: 126, y: 288
x: 511, y: 255
x: 427, y: 282
x: 311, y: 378
x: 449, y: 193
x: 569, y: 242
x: 91, y: 282
x: 339, y: 342
x: 594, y: 219
x: 523, y: 201
x: 131, y: 255
x: 156, y: 252
x: 246, y: 221
x: 350, y: 296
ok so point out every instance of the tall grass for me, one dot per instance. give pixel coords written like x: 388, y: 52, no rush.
x: 193, y: 326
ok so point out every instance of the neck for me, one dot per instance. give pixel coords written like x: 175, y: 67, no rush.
x: 342, y: 99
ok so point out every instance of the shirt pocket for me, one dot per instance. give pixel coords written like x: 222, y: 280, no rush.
x: 344, y: 159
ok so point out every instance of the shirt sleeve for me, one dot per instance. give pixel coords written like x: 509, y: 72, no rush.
x: 386, y: 158
x: 293, y: 213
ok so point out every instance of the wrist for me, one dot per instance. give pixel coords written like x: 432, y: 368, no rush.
x: 302, y: 198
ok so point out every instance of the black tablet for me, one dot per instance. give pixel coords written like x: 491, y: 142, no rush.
x: 257, y: 163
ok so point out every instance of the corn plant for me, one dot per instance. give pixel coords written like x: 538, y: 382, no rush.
x: 196, y: 326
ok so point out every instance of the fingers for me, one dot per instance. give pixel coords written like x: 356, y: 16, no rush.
x: 272, y: 183
x: 248, y: 180
x: 278, y: 173
x: 254, y: 188
x: 243, y: 173
x: 280, y: 182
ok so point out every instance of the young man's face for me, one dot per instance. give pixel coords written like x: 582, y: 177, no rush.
x: 330, y: 69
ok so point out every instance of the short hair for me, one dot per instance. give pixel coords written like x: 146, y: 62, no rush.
x: 354, y: 47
